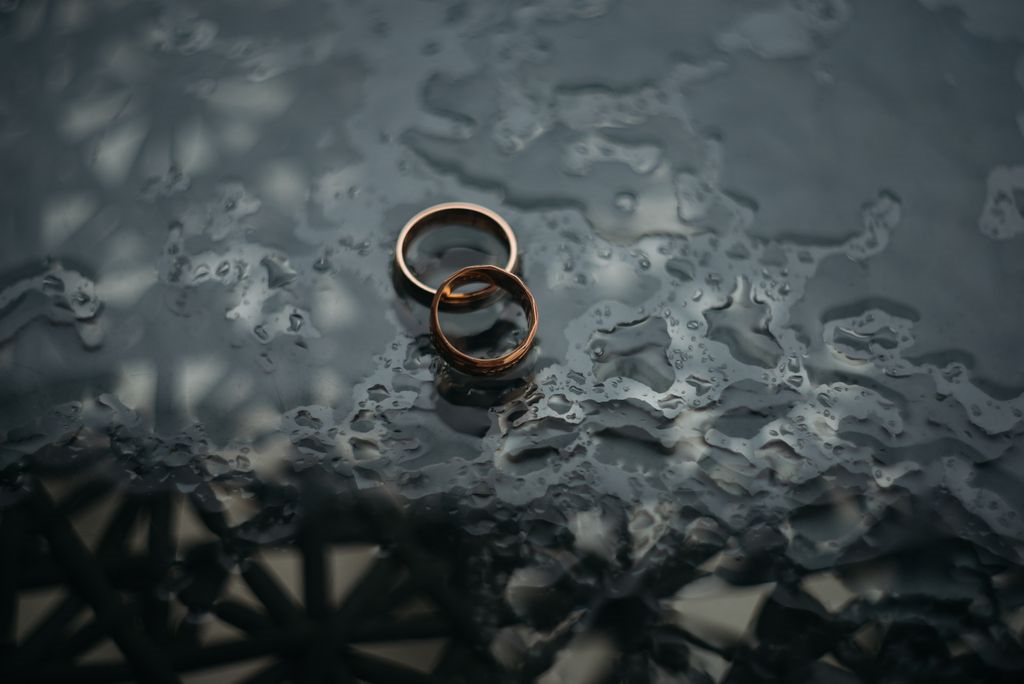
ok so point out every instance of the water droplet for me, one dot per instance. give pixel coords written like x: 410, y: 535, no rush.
x: 267, y: 363
x: 279, y: 273
x: 625, y: 202
x: 52, y: 284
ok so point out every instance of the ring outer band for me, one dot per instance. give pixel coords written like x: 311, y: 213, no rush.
x: 498, y: 278
x: 413, y: 227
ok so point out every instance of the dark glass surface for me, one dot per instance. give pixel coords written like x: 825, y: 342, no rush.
x: 772, y: 429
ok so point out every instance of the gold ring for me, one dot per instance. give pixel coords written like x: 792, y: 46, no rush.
x: 470, y: 214
x: 496, y: 278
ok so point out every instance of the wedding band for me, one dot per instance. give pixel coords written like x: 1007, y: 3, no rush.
x: 496, y: 278
x: 464, y: 213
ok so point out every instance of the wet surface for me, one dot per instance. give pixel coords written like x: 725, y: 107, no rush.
x: 772, y: 428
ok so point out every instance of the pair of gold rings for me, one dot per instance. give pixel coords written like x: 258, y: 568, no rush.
x: 496, y: 279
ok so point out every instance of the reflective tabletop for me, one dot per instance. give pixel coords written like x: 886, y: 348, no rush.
x: 771, y: 428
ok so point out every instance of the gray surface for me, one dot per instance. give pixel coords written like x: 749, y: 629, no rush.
x: 778, y: 250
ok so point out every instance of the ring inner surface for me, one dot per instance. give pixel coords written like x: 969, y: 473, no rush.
x: 451, y: 239
x: 491, y: 329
